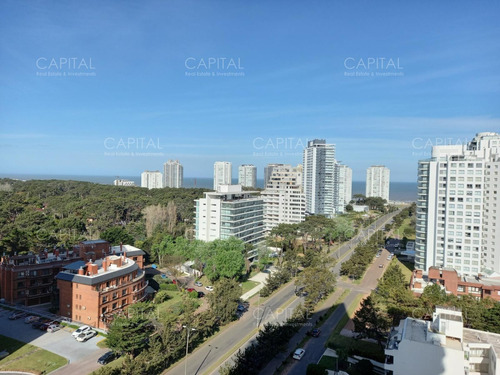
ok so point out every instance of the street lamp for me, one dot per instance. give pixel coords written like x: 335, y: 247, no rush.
x: 189, y: 329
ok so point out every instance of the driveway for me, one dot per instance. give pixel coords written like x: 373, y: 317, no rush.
x: 60, y: 342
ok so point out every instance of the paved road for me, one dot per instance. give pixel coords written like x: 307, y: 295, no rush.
x: 316, y: 346
x: 202, y: 359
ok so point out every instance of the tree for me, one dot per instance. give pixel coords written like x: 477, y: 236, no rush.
x: 128, y: 335
x: 369, y: 321
x: 318, y: 281
x: 224, y: 258
x: 154, y: 215
x: 224, y: 299
x: 117, y: 235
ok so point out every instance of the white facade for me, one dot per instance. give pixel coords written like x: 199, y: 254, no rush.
x: 247, y: 175
x: 344, y: 175
x: 441, y: 347
x: 121, y: 182
x: 319, y: 178
x: 222, y: 173
x: 284, y: 199
x: 268, y: 171
x: 230, y: 212
x: 151, y: 179
x: 173, y: 174
x: 377, y: 182
x: 457, y: 220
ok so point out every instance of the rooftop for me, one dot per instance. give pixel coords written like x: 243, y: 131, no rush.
x: 472, y: 336
x: 70, y: 272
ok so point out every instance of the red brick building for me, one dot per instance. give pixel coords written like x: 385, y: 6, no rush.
x: 94, y: 291
x: 30, y: 279
x: 479, y: 287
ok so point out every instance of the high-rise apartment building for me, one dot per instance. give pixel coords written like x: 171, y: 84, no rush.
x: 151, y: 179
x: 284, y: 199
x: 268, y: 171
x: 377, y: 182
x: 319, y: 178
x: 247, y: 175
x: 458, y: 207
x: 173, y: 174
x: 230, y: 212
x: 222, y: 173
x: 344, y: 177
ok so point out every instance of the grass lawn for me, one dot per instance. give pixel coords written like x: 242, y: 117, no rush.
x: 328, y: 362
x: 248, y: 285
x: 405, y: 224
x: 406, y: 268
x: 171, y: 306
x: 29, y: 358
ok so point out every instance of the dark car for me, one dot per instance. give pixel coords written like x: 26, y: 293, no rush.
x: 45, y: 325
x: 314, y: 333
x: 201, y: 294
x: 107, y: 357
x: 38, y: 324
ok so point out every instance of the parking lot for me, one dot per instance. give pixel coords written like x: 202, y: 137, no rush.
x: 60, y: 342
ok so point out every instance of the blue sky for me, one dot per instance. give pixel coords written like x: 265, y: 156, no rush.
x: 293, y: 83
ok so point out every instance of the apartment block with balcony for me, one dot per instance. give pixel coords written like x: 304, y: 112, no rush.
x: 230, y: 212
x: 29, y: 279
x: 458, y: 212
x: 284, y: 199
x: 94, y: 292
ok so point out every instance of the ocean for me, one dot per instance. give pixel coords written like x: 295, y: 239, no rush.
x: 399, y: 191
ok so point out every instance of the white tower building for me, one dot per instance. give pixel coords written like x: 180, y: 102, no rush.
x: 458, y: 222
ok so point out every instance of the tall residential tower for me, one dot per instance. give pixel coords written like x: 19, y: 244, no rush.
x: 319, y: 178
x: 173, y: 174
x: 377, y: 182
x: 247, y: 175
x: 458, y: 207
x: 222, y: 173
x: 151, y: 179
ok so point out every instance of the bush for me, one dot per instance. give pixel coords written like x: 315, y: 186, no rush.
x: 193, y: 294
x: 162, y: 296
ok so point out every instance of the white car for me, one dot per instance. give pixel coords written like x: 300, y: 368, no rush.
x: 81, y: 330
x: 209, y: 288
x: 299, y: 353
x: 86, y: 335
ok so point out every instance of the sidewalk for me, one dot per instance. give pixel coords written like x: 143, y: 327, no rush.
x: 261, y: 278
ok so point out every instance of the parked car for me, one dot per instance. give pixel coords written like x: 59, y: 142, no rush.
x: 46, y: 325
x: 314, y: 332
x: 39, y: 323
x: 299, y: 353
x: 31, y: 319
x: 54, y: 327
x: 189, y: 290
x: 82, y: 337
x: 201, y: 294
x: 241, y: 308
x: 81, y: 330
x: 209, y: 288
x: 107, y: 357
x: 16, y: 315
x: 197, y: 283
